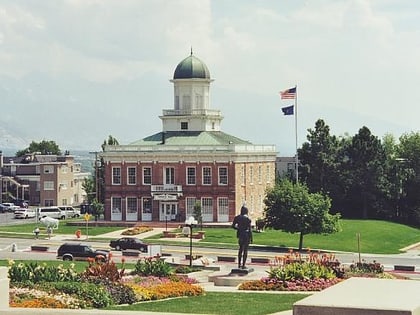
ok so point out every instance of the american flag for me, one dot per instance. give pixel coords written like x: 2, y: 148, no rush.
x: 288, y: 94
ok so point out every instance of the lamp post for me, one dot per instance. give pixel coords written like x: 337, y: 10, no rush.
x: 190, y: 222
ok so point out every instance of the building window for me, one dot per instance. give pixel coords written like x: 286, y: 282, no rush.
x: 207, y: 208
x: 191, y: 176
x: 223, y: 176
x: 268, y: 173
x: 116, y: 205
x: 259, y: 174
x: 243, y: 174
x: 189, y: 206
x: 169, y: 176
x: 251, y: 174
x: 186, y: 101
x: 147, y: 175
x: 64, y: 169
x: 184, y: 125
x: 131, y: 176
x: 64, y: 202
x: 116, y: 175
x: 48, y: 169
x: 223, y: 206
x: 177, y: 102
x: 48, y: 202
x: 206, y: 175
x: 48, y: 185
x: 147, y: 205
x: 131, y: 205
x: 198, y: 100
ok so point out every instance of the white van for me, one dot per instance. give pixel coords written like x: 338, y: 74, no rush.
x: 52, y: 212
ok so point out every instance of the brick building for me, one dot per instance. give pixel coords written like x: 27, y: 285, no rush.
x: 46, y: 180
x: 162, y: 176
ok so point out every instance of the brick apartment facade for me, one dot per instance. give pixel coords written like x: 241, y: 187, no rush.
x: 162, y: 176
x: 47, y: 180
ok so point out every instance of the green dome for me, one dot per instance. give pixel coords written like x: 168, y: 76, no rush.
x: 191, y: 68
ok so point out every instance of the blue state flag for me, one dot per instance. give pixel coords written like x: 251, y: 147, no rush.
x: 288, y: 110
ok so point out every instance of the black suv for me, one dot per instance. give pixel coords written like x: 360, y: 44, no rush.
x: 76, y: 251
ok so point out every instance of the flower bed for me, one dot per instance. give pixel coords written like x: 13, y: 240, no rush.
x: 137, y: 230
x: 312, y: 272
x: 99, y: 286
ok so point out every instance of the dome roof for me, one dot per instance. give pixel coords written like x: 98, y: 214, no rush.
x: 191, y: 68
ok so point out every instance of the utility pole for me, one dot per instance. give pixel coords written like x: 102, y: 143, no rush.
x: 96, y: 176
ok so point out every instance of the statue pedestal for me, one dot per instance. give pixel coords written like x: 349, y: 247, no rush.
x: 240, y: 272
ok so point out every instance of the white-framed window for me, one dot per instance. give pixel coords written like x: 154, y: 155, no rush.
x: 169, y: 176
x: 186, y: 101
x: 64, y: 202
x: 48, y: 185
x: 64, y: 169
x: 243, y: 174
x: 189, y: 206
x: 223, y: 205
x: 199, y: 100
x: 223, y: 175
x: 259, y: 174
x: 116, y: 205
x: 191, y: 176
x: 116, y: 175
x: 147, y: 205
x: 147, y: 175
x: 48, y: 202
x: 206, y: 175
x: 131, y: 175
x: 131, y: 205
x: 207, y: 208
x: 48, y: 169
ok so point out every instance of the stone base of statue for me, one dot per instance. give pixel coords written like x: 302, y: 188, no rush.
x: 241, y: 271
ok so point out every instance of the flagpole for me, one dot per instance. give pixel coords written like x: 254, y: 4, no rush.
x: 296, y: 137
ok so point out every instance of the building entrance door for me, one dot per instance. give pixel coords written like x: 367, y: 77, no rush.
x: 168, y: 211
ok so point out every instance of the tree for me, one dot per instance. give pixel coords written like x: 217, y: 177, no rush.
x: 44, y: 147
x: 111, y: 141
x: 291, y: 208
x: 317, y: 158
x: 364, y: 168
x: 88, y: 186
x: 198, y: 214
x: 98, y: 208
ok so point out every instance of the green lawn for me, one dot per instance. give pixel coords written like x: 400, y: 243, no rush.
x: 222, y: 303
x: 378, y: 237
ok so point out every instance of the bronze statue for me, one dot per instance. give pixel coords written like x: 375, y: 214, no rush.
x: 242, y: 225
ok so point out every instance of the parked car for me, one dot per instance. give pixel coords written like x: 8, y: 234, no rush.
x: 9, y: 207
x: 128, y: 243
x: 3, y: 208
x: 21, y: 203
x: 70, y: 211
x: 52, y: 212
x: 24, y: 213
x: 78, y: 251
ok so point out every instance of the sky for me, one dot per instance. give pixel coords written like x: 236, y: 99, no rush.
x: 77, y: 71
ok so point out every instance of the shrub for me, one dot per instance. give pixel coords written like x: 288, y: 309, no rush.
x: 107, y: 271
x: 137, y: 230
x: 33, y: 272
x: 96, y: 295
x: 301, y: 271
x: 151, y: 266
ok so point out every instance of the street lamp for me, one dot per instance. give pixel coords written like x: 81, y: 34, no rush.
x: 190, y: 222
